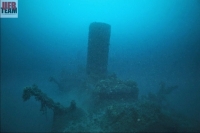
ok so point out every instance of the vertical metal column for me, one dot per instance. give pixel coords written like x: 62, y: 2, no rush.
x: 98, y: 49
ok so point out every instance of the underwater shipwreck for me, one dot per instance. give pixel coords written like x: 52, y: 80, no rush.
x: 114, y: 104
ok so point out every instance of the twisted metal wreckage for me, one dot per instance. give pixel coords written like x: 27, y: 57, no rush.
x: 115, y: 104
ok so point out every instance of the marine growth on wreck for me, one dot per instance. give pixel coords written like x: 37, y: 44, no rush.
x: 114, y: 103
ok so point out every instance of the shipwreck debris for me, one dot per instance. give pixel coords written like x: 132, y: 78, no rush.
x: 98, y: 49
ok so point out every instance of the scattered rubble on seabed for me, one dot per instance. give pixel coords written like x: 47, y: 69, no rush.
x: 115, y: 107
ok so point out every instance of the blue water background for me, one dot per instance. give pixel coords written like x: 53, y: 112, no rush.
x: 152, y: 41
